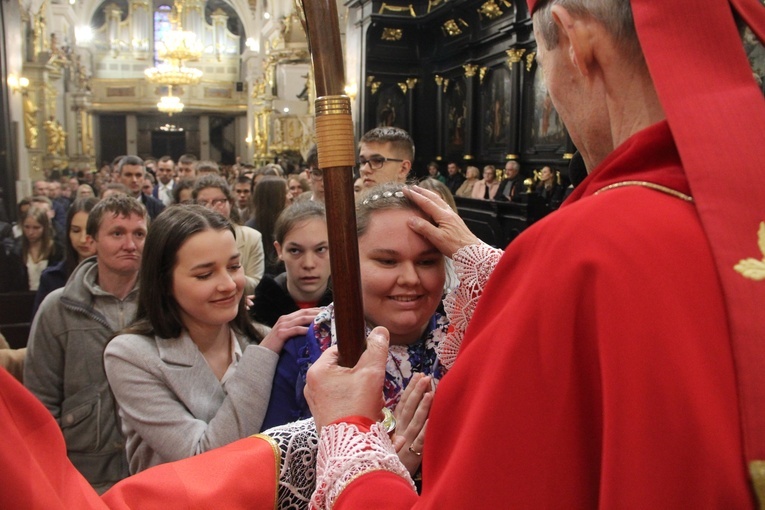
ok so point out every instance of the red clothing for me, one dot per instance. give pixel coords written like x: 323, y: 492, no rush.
x: 614, y: 389
x: 38, y: 474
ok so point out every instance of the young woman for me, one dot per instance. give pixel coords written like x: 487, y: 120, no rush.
x: 402, y: 278
x: 269, y: 198
x: 188, y: 376
x: 37, y: 248
x: 78, y: 247
x: 213, y: 192
x: 301, y: 243
x: 549, y: 188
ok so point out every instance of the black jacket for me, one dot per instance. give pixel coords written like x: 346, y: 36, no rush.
x: 272, y: 300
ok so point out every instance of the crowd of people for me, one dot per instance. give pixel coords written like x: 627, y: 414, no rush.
x: 152, y: 371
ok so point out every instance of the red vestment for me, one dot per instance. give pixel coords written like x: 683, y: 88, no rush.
x: 597, y: 368
x: 36, y: 472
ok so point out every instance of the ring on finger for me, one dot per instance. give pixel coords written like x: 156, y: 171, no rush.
x: 414, y: 451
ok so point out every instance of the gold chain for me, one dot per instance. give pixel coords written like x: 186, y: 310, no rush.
x: 646, y: 184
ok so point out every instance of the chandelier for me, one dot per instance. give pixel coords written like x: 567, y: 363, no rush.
x: 173, y: 74
x: 177, y: 46
x: 170, y: 104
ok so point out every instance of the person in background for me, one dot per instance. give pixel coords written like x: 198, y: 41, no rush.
x: 298, y: 185
x: 182, y: 192
x: 21, y: 210
x: 206, y: 167
x: 187, y: 167
x: 163, y: 191
x: 269, y: 200
x: 358, y: 187
x: 385, y: 155
x: 454, y: 177
x: 192, y: 373
x: 434, y: 173
x: 40, y: 188
x: 86, y: 190
x: 243, y: 192
x: 130, y: 173
x: 472, y: 177
x: 64, y: 363
x: 36, y: 249
x: 549, y: 188
x: 511, y: 186
x: 212, y: 191
x: 301, y: 244
x: 77, y: 247
x: 486, y: 188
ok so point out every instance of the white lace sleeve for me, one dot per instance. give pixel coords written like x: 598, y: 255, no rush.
x: 473, y: 264
x: 345, y: 453
x: 298, y: 443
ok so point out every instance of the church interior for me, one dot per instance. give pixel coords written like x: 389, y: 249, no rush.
x: 84, y: 81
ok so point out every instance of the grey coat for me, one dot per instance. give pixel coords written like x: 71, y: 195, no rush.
x: 64, y: 369
x: 172, y: 405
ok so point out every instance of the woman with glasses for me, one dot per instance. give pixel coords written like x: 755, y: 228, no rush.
x: 212, y: 192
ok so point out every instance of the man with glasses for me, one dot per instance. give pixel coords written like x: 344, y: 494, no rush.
x: 385, y: 155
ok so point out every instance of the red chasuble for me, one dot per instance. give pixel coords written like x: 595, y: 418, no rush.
x: 36, y: 472
x: 597, y: 370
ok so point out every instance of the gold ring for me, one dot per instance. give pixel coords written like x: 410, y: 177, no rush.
x: 413, y: 450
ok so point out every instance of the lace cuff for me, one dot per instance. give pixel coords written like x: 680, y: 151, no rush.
x: 345, y: 453
x: 473, y: 265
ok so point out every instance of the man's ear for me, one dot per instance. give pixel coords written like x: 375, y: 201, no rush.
x: 406, y: 166
x: 575, y: 35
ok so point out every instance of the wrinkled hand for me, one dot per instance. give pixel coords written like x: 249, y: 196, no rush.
x: 411, y: 420
x: 449, y: 233
x: 334, y: 392
x: 292, y: 324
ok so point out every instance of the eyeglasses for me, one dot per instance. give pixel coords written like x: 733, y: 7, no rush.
x: 376, y: 162
x: 215, y: 202
x: 317, y: 173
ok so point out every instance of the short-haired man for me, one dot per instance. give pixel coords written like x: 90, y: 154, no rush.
x: 385, y: 155
x: 512, y: 185
x: 243, y: 191
x: 163, y: 191
x: 187, y: 167
x: 40, y: 188
x: 64, y: 364
x: 60, y: 205
x: 130, y: 172
x: 454, y: 177
x: 207, y: 167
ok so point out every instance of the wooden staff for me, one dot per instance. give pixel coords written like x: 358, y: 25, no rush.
x: 337, y: 157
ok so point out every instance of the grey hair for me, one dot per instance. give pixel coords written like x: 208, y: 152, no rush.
x: 615, y: 15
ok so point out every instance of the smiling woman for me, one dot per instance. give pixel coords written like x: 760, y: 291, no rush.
x: 188, y: 375
x: 402, y: 280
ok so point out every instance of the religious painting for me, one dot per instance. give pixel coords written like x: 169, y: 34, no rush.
x: 456, y: 110
x: 391, y: 108
x: 496, y: 109
x: 545, y: 131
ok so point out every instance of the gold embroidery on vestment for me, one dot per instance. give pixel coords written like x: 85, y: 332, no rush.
x: 752, y: 268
